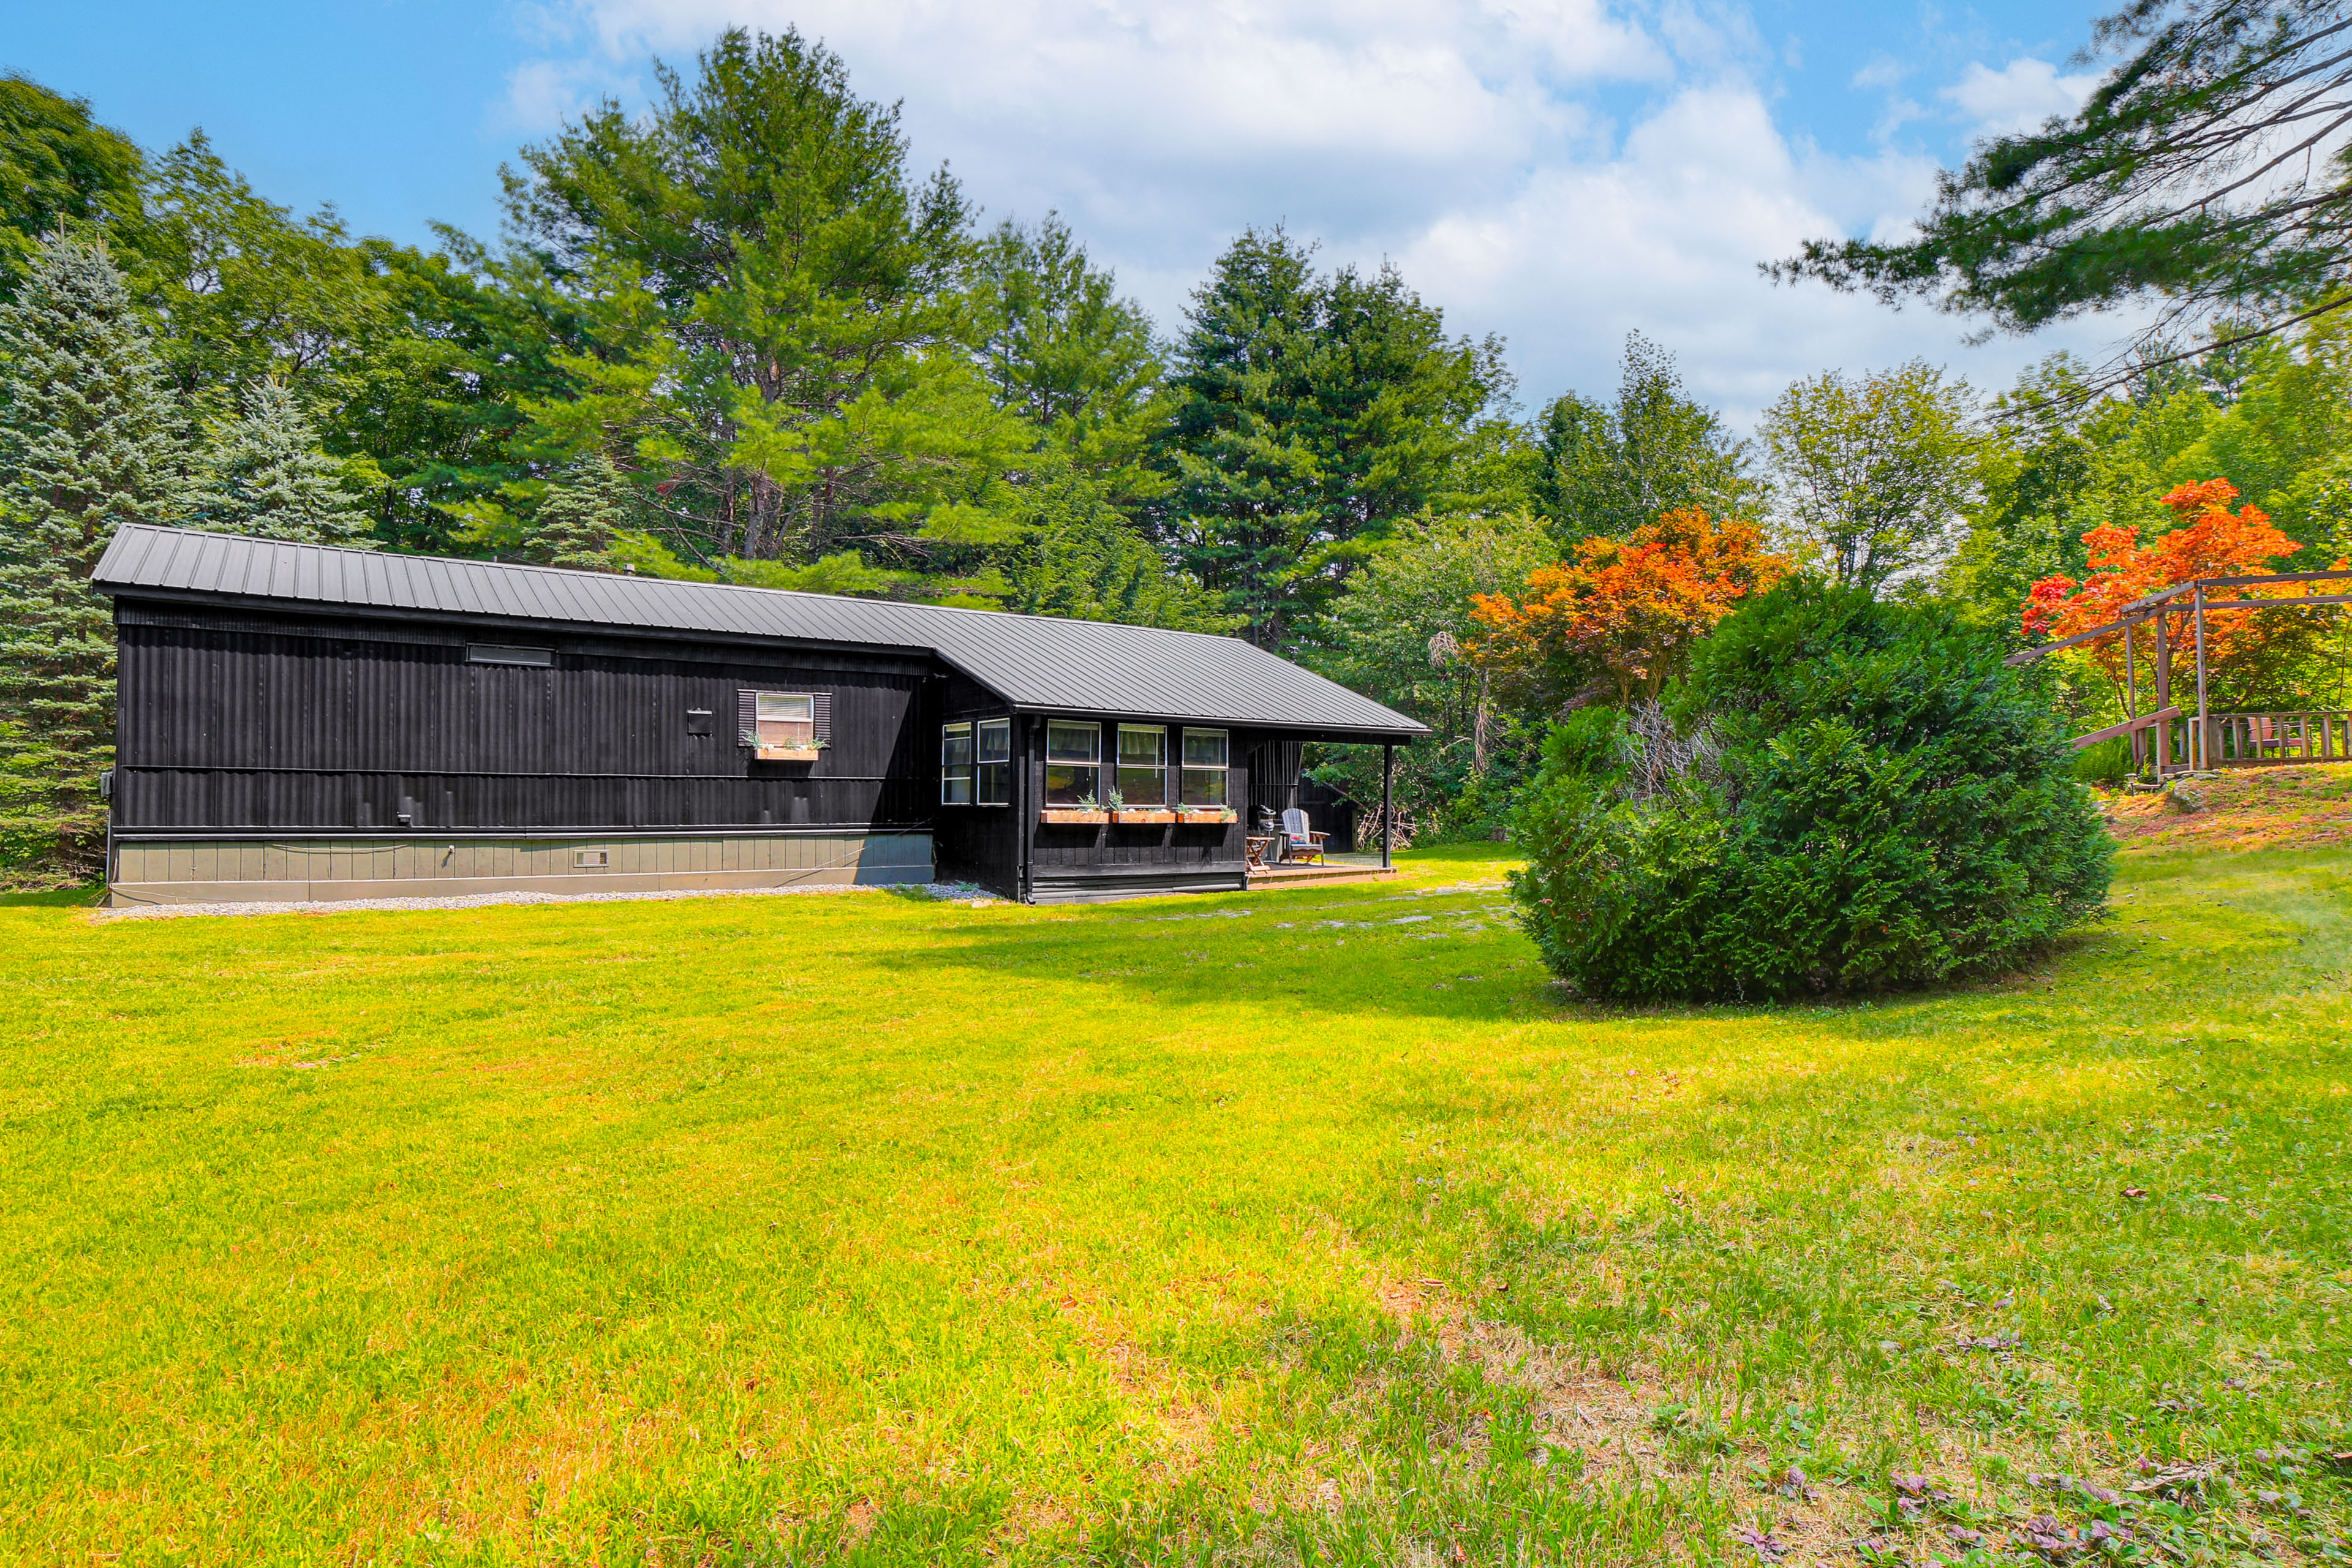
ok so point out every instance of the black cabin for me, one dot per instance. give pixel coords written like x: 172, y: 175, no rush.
x: 301, y: 722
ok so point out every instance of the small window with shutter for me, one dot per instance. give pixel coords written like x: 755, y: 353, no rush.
x: 789, y: 725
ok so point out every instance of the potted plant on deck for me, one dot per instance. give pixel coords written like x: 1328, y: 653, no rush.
x: 1086, y: 811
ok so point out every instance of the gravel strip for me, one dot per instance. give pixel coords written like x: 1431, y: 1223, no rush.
x: 946, y: 892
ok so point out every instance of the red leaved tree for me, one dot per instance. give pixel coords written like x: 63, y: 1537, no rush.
x: 2246, y: 651
x: 1623, y: 614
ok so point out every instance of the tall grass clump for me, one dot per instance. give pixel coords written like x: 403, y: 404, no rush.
x: 1842, y: 795
x: 2107, y: 764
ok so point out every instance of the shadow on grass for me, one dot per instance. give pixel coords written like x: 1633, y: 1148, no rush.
x: 1446, y: 953
x: 56, y: 898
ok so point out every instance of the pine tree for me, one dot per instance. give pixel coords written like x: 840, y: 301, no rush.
x: 269, y: 477
x: 1078, y: 557
x: 578, y: 516
x: 87, y: 444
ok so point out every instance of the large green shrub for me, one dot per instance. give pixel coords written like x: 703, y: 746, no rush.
x: 1842, y: 795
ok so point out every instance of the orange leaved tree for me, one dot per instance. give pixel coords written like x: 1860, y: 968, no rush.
x: 2245, y: 650
x: 1621, y: 617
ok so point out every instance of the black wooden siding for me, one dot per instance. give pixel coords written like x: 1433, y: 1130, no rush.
x: 249, y: 722
x: 976, y: 843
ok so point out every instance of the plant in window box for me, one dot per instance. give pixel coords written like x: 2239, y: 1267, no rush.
x: 1122, y: 812
x: 1189, y: 815
x: 1087, y: 811
x: 772, y: 752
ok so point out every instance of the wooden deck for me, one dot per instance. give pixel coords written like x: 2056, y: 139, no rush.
x: 1334, y: 870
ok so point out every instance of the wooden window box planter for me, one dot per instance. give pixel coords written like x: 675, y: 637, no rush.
x: 1190, y: 815
x: 1073, y: 816
x: 786, y: 753
x: 1126, y: 813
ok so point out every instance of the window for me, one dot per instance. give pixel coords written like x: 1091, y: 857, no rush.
x: 955, y: 764
x: 785, y: 719
x: 1073, y: 762
x: 1143, y: 764
x: 1204, y: 767
x: 996, y: 762
x: 498, y: 652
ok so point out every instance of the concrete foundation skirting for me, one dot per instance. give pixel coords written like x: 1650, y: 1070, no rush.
x: 324, y: 870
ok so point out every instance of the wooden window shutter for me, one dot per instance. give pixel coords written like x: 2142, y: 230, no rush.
x: 747, y: 706
x: 822, y: 702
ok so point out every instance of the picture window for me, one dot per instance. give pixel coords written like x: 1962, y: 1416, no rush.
x: 1142, y: 765
x: 1073, y: 762
x: 1206, y: 759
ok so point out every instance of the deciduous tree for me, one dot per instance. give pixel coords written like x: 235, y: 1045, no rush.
x: 1619, y: 619
x: 59, y: 168
x: 1873, y: 474
x: 2245, y: 650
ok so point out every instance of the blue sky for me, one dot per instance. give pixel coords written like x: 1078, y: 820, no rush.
x: 1558, y: 171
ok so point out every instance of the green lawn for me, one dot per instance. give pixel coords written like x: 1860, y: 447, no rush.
x: 1303, y: 1225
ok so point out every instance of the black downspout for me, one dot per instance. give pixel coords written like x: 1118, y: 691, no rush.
x: 1388, y: 768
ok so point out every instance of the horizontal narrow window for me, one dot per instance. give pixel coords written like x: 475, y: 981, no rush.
x: 1142, y: 765
x: 1204, y: 773
x: 1073, y: 763
x: 995, y: 742
x: 955, y: 764
x: 500, y: 653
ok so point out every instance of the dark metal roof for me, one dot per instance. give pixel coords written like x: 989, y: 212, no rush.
x: 1036, y: 662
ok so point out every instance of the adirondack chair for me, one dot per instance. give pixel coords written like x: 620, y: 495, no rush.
x: 1301, y: 842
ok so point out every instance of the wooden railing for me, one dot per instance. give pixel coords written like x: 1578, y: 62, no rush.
x: 2265, y: 740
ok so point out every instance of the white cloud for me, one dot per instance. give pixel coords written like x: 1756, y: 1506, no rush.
x: 1553, y: 170
x: 2018, y: 97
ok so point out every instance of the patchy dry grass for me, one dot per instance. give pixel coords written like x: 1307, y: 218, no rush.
x: 2252, y: 809
x: 1309, y: 1226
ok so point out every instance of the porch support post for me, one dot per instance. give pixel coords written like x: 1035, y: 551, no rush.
x: 2163, y: 731
x: 2131, y: 693
x: 1387, y: 773
x: 2204, y: 755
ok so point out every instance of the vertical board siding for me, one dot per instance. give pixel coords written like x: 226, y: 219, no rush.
x: 265, y: 730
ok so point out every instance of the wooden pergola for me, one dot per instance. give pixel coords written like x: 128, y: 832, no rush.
x: 2211, y: 741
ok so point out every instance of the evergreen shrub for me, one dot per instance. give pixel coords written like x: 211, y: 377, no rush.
x: 1842, y: 795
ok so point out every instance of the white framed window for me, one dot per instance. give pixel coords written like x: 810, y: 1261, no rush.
x: 1207, y: 757
x: 784, y: 719
x: 955, y: 764
x: 994, y: 740
x: 1143, y: 764
x: 1073, y: 762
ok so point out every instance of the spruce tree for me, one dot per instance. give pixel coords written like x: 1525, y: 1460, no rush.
x: 87, y: 444
x: 578, y: 517
x: 267, y: 477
